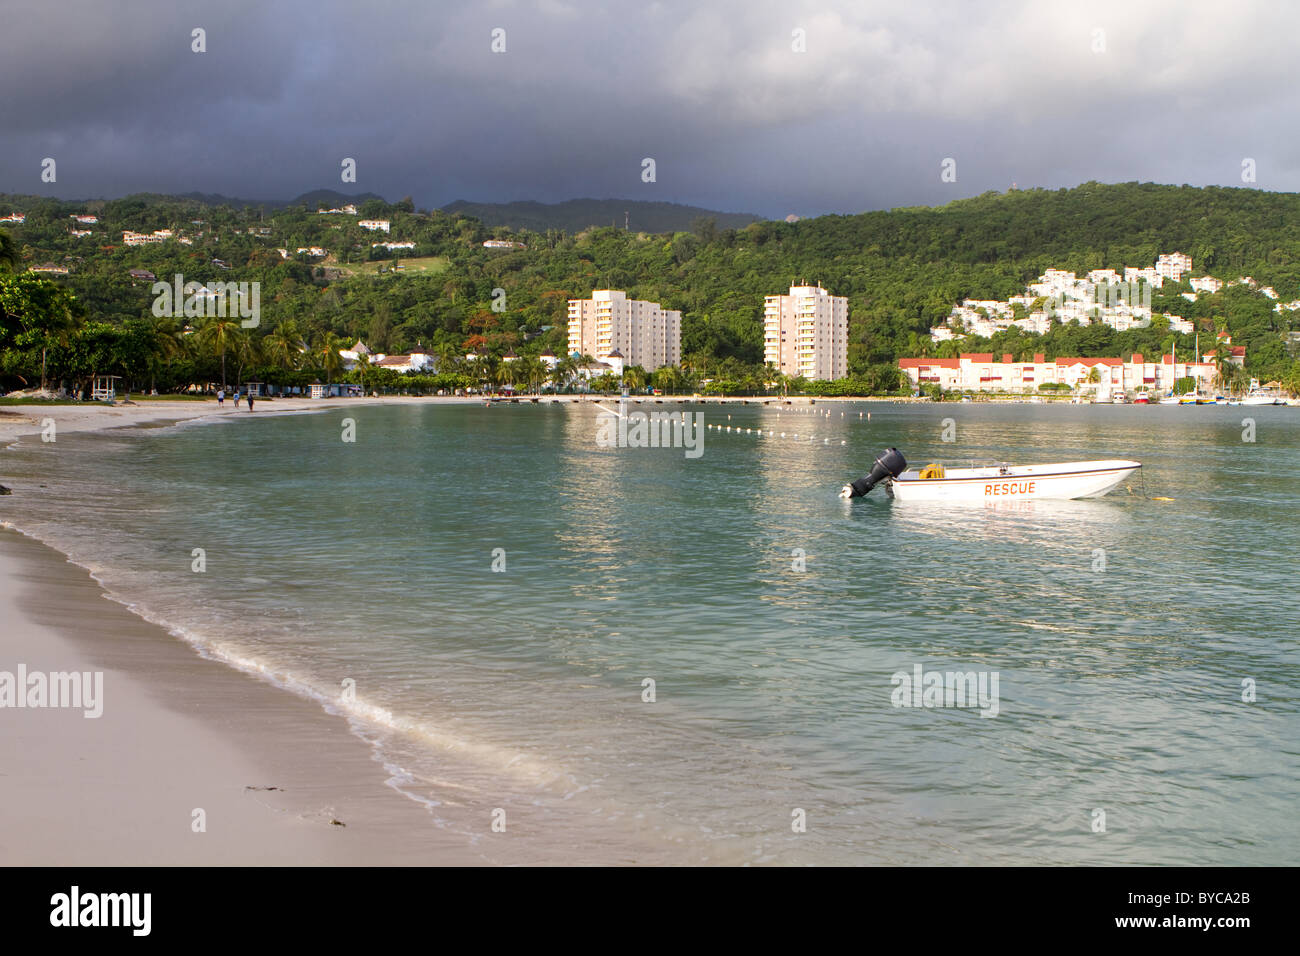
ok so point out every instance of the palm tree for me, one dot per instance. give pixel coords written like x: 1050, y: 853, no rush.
x: 449, y: 357
x: 669, y: 379
x: 1227, y: 374
x: 563, y: 372
x: 492, y: 371
x: 165, y: 339
x: 284, y: 345
x: 502, y: 372
x: 221, y: 334
x: 528, y: 371
x: 780, y: 379
x: 325, y: 353
x: 634, y: 377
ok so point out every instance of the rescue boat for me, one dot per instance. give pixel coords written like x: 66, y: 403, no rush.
x: 998, y: 482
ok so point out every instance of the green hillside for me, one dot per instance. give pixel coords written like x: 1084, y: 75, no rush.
x: 575, y: 215
x: 902, y: 271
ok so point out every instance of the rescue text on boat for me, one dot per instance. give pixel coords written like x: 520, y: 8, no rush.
x: 1060, y: 480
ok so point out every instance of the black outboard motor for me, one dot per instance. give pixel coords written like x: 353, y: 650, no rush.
x: 890, y: 464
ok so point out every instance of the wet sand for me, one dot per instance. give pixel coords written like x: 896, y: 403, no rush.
x: 178, y: 734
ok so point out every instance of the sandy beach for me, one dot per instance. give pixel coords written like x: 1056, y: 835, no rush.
x: 19, y: 420
x: 177, y: 734
x: 179, y: 768
x: 191, y: 762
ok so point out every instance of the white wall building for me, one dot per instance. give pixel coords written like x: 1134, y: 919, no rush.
x: 806, y: 333
x: 1172, y: 265
x: 977, y: 371
x: 641, y: 332
x: 145, y: 238
x: 412, y: 362
x: 375, y: 225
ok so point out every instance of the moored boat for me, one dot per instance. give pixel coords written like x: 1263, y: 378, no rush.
x: 1269, y: 394
x: 999, y: 482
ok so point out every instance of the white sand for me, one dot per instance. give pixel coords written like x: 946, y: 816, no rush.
x: 178, y: 733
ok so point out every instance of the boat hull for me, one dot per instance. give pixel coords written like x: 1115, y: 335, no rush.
x: 1062, y: 480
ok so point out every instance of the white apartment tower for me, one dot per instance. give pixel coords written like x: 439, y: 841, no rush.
x: 645, y: 334
x: 1172, y: 265
x: 806, y: 333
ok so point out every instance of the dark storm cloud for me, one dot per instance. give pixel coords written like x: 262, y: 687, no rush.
x: 1025, y: 92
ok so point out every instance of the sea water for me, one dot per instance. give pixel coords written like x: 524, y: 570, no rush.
x: 632, y: 655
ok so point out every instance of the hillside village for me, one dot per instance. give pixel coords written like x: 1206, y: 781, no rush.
x: 1021, y: 274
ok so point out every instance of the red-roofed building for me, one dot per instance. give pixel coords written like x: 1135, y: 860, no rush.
x: 976, y: 371
x: 1237, y: 355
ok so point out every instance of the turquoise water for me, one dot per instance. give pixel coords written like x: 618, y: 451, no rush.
x: 770, y: 614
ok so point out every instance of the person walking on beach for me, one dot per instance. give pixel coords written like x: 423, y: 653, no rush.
x: 250, y: 399
x: 221, y: 397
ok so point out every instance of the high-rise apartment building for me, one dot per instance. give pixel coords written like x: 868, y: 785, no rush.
x: 645, y: 334
x: 806, y: 333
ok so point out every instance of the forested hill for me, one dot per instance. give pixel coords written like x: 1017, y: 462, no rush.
x: 575, y: 215
x: 902, y: 271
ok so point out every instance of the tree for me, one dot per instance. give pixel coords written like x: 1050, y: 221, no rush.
x: 564, y: 372
x: 220, y: 335
x: 37, y: 313
x: 325, y: 355
x: 1228, y: 376
x: 284, y: 345
x: 530, y: 371
x: 635, y: 377
x: 154, y: 342
x: 8, y: 253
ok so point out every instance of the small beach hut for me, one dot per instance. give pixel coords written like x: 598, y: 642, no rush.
x: 103, y: 388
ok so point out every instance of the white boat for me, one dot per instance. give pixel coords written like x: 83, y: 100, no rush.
x: 992, y: 483
x: 1262, y: 395
x: 1068, y: 479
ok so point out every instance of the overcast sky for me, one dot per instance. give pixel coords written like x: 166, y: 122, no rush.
x: 1033, y: 92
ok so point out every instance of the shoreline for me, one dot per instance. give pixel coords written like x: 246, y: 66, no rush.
x: 25, y: 420
x: 178, y: 733
x: 281, y: 777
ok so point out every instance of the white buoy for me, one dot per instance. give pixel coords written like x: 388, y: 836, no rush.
x: 842, y: 443
x: 826, y: 441
x: 782, y: 434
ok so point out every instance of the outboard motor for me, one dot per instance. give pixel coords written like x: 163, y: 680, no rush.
x: 890, y: 464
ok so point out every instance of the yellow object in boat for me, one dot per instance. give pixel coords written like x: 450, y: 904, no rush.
x: 932, y: 471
